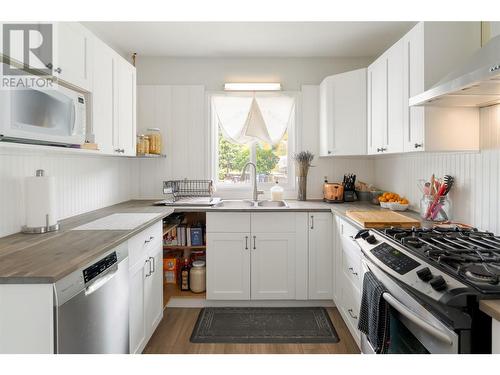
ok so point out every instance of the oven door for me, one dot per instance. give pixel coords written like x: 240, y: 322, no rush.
x: 413, y: 328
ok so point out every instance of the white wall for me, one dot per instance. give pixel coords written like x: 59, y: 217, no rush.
x: 214, y: 72
x: 83, y: 183
x: 179, y: 112
x: 475, y: 196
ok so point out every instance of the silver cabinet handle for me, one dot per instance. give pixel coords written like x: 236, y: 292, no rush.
x: 152, y: 264
x: 246, y: 242
x: 352, y: 271
x: 58, y: 70
x: 417, y: 145
x: 254, y: 240
x: 329, y: 152
x: 381, y: 149
x: 351, y: 313
x: 148, y: 261
x: 312, y: 221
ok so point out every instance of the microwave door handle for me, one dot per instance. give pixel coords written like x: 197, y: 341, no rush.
x: 73, y: 117
x: 411, y: 316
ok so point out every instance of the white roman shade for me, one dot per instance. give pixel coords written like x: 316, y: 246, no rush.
x: 246, y: 118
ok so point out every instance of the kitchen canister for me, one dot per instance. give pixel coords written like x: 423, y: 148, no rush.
x: 197, y: 277
x: 40, y: 203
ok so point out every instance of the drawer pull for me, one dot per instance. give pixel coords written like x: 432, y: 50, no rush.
x: 352, y: 271
x: 351, y: 313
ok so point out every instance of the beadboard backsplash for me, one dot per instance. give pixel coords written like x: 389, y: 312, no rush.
x: 83, y: 183
x: 475, y: 196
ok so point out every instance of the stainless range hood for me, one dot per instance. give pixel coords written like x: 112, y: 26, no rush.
x: 475, y: 84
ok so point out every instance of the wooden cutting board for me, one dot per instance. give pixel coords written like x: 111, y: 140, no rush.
x: 382, y: 219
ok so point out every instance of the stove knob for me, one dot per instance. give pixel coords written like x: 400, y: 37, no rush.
x: 371, y: 239
x: 425, y: 274
x: 438, y: 283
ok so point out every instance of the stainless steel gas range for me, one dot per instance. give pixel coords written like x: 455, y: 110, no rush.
x: 434, y: 279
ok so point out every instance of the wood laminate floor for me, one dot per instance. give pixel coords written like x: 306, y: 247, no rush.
x: 174, y: 331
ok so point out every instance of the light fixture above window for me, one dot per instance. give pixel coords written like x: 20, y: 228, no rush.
x: 252, y: 86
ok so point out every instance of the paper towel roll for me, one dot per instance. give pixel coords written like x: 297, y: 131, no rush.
x: 40, y: 201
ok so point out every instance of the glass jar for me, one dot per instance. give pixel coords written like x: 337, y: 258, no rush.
x: 197, y: 278
x: 155, y: 143
x: 142, y: 144
x: 432, y: 209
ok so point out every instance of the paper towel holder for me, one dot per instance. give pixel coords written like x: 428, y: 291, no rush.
x: 47, y: 227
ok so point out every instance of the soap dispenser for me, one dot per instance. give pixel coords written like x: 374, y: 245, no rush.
x: 277, y: 192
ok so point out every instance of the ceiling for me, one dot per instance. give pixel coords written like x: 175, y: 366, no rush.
x: 251, y: 39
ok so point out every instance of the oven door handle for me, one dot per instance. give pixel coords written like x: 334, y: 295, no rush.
x: 411, y: 316
x: 414, y: 318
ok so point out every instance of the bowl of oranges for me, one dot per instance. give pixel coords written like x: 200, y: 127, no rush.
x: 393, y: 201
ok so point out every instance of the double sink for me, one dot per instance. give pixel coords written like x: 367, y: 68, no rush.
x: 251, y: 204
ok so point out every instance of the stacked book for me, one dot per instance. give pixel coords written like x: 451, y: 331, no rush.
x: 189, y: 235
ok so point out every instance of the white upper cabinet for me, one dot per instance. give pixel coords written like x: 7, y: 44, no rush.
x: 431, y: 51
x: 343, y: 114
x: 103, y: 96
x: 72, y: 60
x: 113, y: 101
x: 125, y: 107
x: 385, y: 108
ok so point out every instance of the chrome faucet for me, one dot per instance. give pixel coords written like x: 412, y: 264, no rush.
x: 255, y: 191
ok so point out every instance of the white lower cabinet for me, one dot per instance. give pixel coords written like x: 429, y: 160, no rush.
x: 228, y: 266
x: 320, y: 244
x: 269, y: 256
x: 146, y: 285
x: 348, y: 276
x: 273, y: 266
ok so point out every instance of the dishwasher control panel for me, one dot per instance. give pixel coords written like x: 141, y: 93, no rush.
x: 99, y: 267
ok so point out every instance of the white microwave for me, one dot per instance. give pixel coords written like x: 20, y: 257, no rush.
x: 50, y: 116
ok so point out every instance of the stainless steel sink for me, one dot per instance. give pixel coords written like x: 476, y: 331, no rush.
x: 272, y: 204
x: 235, y: 204
x: 251, y: 204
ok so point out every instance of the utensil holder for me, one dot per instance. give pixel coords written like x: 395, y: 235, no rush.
x: 436, y: 210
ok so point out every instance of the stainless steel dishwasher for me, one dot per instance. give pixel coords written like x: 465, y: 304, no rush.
x: 92, y: 306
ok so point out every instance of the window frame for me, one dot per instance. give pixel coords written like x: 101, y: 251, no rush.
x: 213, y: 160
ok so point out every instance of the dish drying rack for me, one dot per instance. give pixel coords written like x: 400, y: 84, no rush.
x: 188, y: 190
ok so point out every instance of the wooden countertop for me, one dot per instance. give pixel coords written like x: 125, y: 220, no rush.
x: 46, y: 258
x: 491, y: 307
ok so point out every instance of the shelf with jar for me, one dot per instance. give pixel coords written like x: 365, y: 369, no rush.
x: 150, y: 145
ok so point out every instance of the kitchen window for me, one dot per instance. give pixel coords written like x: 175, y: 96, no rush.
x: 252, y: 127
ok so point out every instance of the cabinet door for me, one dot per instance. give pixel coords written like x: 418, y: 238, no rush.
x: 320, y: 255
x: 73, y: 53
x: 395, y: 99
x: 137, y: 309
x: 377, y: 105
x: 103, y: 96
x: 228, y: 266
x: 413, y: 135
x: 154, y: 289
x: 125, y: 88
x: 349, y: 113
x: 273, y: 266
x: 326, y: 103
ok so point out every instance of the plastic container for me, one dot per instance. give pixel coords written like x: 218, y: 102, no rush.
x: 197, y: 277
x: 277, y: 192
x: 155, y: 142
x: 364, y: 196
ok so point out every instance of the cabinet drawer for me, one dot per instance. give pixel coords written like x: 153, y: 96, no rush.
x: 346, y: 229
x: 351, y: 266
x: 140, y: 244
x: 228, y: 222
x: 351, y: 301
x: 273, y: 222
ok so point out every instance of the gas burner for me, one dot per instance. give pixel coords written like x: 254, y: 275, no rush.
x: 481, y: 273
